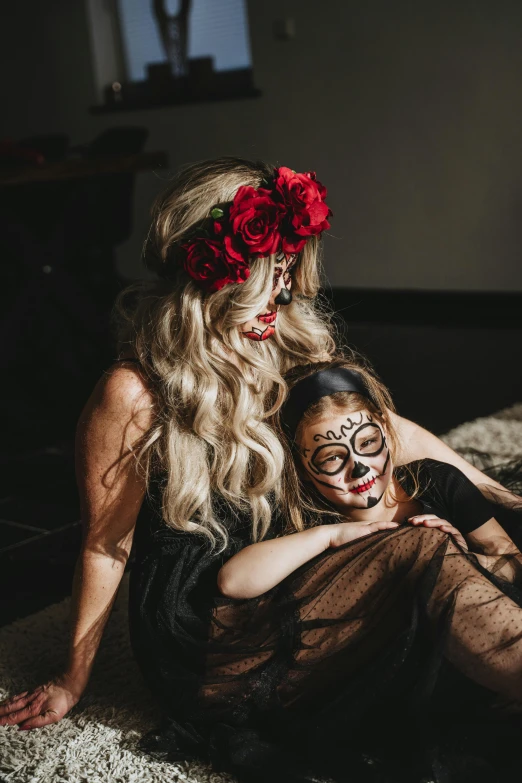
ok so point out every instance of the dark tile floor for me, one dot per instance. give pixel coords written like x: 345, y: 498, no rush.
x: 440, y: 377
x: 40, y: 531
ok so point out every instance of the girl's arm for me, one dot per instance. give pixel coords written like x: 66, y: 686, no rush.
x: 417, y: 443
x: 111, y: 493
x: 259, y: 567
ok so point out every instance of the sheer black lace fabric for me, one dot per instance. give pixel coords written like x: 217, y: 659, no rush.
x: 396, y: 657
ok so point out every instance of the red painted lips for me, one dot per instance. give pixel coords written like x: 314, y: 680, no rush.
x: 364, y: 487
x: 268, y: 318
x: 269, y: 331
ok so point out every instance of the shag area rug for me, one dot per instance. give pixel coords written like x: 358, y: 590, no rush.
x: 97, y: 741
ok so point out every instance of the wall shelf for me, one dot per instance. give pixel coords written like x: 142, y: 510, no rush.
x: 159, y: 102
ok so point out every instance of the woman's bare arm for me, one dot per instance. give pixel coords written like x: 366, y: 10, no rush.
x: 116, y: 416
x: 111, y: 493
x: 417, y: 443
x: 496, y: 550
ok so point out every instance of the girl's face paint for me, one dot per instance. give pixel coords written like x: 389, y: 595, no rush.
x: 263, y: 325
x: 347, y: 459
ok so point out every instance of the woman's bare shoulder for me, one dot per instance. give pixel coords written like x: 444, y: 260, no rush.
x: 128, y: 376
x: 122, y: 395
x: 110, y: 433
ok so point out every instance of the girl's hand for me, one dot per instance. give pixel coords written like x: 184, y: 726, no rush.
x: 46, y: 704
x: 430, y: 520
x: 343, y: 532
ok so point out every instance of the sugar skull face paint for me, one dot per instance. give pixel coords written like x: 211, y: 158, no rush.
x: 263, y: 325
x: 347, y: 459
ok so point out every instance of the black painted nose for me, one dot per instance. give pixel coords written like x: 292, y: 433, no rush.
x: 284, y: 297
x: 359, y: 470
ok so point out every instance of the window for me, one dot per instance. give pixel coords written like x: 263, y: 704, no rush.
x: 215, y: 29
x: 170, y: 51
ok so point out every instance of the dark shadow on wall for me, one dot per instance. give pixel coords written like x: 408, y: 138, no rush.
x: 447, y: 357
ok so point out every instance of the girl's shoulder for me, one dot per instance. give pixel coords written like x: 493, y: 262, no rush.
x: 447, y: 491
x: 427, y: 472
x: 432, y: 480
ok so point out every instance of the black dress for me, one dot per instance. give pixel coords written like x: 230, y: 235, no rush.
x: 390, y: 658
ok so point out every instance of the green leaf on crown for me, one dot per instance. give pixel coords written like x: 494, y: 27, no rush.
x: 217, y: 213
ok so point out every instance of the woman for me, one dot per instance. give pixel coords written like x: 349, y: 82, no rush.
x: 181, y: 421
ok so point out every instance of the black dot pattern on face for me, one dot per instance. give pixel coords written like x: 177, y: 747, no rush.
x: 278, y: 271
x: 288, y: 270
x: 345, y: 609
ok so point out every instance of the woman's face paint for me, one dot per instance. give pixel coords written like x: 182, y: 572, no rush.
x: 347, y: 459
x: 263, y: 325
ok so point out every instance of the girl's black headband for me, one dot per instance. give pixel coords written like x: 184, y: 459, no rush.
x: 313, y: 387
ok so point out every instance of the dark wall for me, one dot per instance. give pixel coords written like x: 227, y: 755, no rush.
x: 410, y: 113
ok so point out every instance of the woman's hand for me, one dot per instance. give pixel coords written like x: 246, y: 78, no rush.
x: 44, y: 705
x: 344, y: 532
x: 431, y: 520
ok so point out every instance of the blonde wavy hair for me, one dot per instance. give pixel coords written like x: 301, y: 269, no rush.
x: 214, y: 390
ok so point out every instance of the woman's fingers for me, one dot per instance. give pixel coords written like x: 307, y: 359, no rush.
x: 8, y: 704
x: 24, y: 712
x: 44, y: 705
x: 44, y: 719
x: 13, y: 709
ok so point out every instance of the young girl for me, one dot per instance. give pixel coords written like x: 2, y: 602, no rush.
x: 179, y: 428
x: 373, y: 591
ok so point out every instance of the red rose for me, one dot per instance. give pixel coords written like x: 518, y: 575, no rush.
x: 234, y: 249
x: 207, y: 263
x: 292, y: 244
x: 255, y: 218
x: 303, y: 197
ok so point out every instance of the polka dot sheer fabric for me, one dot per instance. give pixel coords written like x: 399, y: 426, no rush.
x: 394, y: 657
x: 347, y: 609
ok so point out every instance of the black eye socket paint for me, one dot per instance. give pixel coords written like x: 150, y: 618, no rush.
x: 278, y: 271
x: 368, y: 430
x: 316, y: 458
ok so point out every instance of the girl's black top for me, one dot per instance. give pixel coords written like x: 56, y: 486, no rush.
x: 378, y: 660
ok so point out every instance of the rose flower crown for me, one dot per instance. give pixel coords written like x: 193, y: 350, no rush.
x: 280, y: 215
